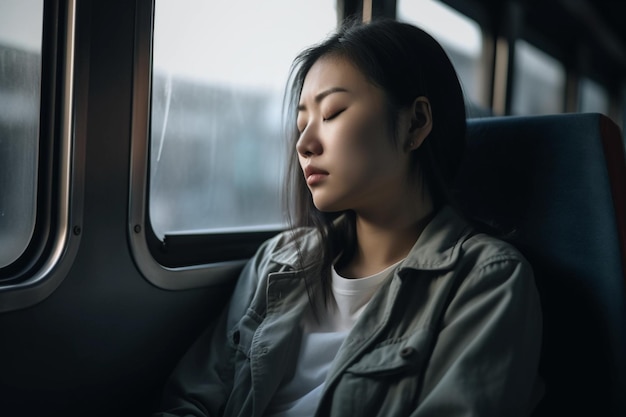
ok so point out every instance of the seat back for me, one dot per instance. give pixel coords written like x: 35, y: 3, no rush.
x: 558, y: 184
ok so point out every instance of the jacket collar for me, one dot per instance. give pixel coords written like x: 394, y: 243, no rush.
x: 301, y: 241
x: 437, y: 248
x: 439, y: 245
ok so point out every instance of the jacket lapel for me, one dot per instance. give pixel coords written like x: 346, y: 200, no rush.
x: 438, y: 248
x: 366, y: 330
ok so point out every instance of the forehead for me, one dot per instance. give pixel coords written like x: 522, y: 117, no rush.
x: 333, y: 71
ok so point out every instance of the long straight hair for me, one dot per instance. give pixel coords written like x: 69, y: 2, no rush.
x: 406, y: 63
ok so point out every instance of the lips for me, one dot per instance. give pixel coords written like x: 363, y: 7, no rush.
x: 314, y: 175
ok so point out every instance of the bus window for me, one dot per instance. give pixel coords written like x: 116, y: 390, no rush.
x: 539, y: 82
x: 593, y: 98
x: 460, y: 36
x: 21, y: 26
x: 219, y: 71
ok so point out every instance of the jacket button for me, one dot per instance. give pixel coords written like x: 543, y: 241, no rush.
x: 236, y: 337
x: 407, y: 352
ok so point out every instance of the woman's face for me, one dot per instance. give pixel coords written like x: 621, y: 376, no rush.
x: 345, y: 149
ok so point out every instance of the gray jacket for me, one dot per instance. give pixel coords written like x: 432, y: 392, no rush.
x: 455, y: 332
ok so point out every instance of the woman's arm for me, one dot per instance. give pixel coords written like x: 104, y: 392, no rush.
x: 199, y: 385
x: 202, y: 381
x: 485, y: 358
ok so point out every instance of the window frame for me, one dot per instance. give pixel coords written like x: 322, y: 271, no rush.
x: 179, y: 261
x: 40, y: 269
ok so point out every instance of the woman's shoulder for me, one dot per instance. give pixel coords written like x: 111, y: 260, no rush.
x: 286, y: 246
x: 479, y: 242
x: 272, y: 256
x: 488, y: 261
x: 449, y: 242
x: 485, y: 248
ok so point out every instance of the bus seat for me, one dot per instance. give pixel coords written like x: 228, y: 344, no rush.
x: 556, y: 186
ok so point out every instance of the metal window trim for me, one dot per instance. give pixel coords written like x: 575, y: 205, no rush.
x: 169, y: 278
x: 63, y: 242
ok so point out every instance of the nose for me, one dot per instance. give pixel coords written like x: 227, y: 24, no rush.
x: 309, y: 143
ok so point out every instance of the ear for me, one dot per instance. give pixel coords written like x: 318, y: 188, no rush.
x: 421, y: 123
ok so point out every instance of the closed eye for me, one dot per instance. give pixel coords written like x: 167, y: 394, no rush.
x: 333, y: 115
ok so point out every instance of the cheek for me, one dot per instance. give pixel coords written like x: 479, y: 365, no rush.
x: 372, y: 141
x: 365, y: 157
x: 361, y: 142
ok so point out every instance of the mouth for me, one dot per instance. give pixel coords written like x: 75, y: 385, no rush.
x: 314, y: 175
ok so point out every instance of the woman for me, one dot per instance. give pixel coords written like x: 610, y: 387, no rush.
x: 380, y: 300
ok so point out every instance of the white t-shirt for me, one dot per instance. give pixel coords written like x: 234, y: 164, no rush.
x: 321, y: 341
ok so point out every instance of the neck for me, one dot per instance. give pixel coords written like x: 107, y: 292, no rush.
x: 384, y: 239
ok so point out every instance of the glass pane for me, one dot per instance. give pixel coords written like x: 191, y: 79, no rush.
x: 460, y: 36
x: 593, y: 98
x: 21, y: 23
x: 219, y: 73
x: 539, y: 83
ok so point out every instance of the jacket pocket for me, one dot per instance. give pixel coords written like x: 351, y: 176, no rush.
x: 394, y: 356
x: 384, y: 382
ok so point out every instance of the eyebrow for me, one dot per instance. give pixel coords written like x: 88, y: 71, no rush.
x: 321, y: 96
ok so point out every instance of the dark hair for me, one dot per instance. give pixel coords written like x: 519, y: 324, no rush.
x: 405, y: 62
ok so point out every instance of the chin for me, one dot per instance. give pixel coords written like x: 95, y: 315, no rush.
x: 328, y: 202
x: 327, y: 207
